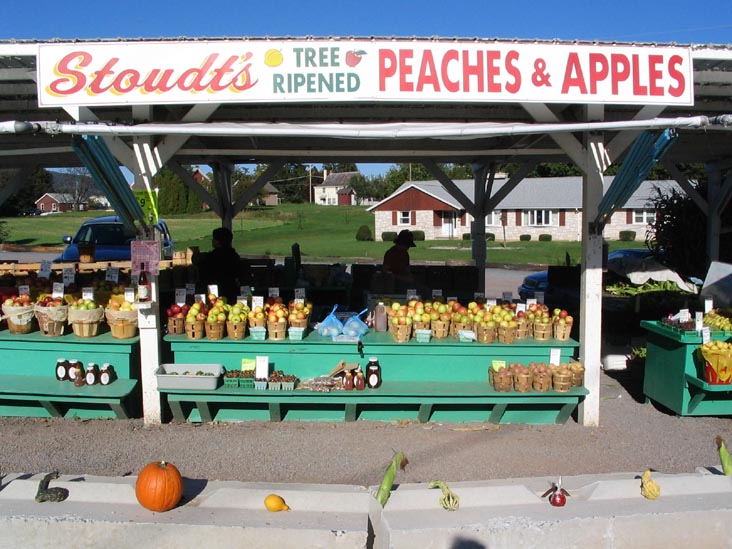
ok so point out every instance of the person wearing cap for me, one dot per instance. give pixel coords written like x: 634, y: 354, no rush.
x: 396, y: 260
x: 220, y: 266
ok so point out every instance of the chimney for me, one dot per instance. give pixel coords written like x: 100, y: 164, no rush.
x: 325, y: 175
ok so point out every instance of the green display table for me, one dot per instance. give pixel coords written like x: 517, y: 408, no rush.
x: 674, y: 377
x: 413, y: 373
x: 33, y: 356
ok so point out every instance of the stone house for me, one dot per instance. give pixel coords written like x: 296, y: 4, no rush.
x: 548, y: 205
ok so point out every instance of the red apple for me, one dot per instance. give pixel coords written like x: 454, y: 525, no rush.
x: 354, y: 57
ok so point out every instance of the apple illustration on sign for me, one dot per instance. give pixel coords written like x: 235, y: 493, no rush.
x: 353, y: 57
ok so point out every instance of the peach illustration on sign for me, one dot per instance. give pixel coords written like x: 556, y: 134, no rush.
x: 354, y: 57
x: 273, y: 58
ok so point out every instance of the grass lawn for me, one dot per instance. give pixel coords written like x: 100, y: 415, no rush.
x: 325, y: 233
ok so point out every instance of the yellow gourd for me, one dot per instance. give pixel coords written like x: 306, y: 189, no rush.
x: 275, y: 503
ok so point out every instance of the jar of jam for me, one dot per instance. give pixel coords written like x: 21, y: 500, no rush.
x: 79, y: 375
x: 359, y: 382
x: 373, y: 373
x: 62, y: 369
x: 71, y: 370
x: 106, y: 374
x: 348, y: 381
x: 92, y: 374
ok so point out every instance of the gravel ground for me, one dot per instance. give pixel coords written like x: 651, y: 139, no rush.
x: 632, y: 437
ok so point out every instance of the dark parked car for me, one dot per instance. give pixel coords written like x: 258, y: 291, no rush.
x: 111, y: 240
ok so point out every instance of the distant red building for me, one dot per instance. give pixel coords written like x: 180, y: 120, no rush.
x: 58, y: 202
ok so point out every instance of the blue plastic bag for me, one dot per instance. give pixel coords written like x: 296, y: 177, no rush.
x: 330, y: 326
x: 354, y: 326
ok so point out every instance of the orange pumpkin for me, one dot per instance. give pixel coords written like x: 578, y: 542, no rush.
x: 159, y: 486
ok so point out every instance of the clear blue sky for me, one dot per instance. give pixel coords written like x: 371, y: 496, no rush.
x: 671, y: 21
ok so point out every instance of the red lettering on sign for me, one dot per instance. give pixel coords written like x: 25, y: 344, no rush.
x: 405, y: 58
x: 73, y: 80
x: 428, y: 73
x: 493, y: 71
x: 512, y: 58
x: 471, y: 70
x: 677, y: 76
x: 638, y: 88
x: 655, y: 74
x: 387, y: 67
x: 598, y: 70
x: 573, y: 75
x: 449, y: 57
x: 620, y: 71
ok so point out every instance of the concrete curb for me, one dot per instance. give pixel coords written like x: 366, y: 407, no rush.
x: 606, y: 510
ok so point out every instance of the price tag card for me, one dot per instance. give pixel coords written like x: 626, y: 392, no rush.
x: 491, y: 302
x: 45, y: 271
x: 299, y: 301
x: 213, y: 289
x: 706, y: 334
x: 708, y: 305
x: 507, y: 296
x: 555, y: 355
x: 452, y: 298
x: 69, y: 276
x: 261, y: 368
x: 245, y: 290
x: 498, y: 364
x: 58, y: 289
x: 243, y: 299
x: 300, y: 293
x: 200, y: 298
x: 248, y: 364
x: 23, y: 289
x: 87, y: 293
x: 180, y: 296
x: 539, y: 297
x: 130, y: 294
x: 412, y: 294
x: 257, y: 301
x: 479, y: 297
x: 698, y: 320
x: 531, y: 301
x: 190, y: 289
x: 684, y: 315
x: 273, y: 292
x: 436, y: 293
x: 520, y: 307
x: 112, y: 274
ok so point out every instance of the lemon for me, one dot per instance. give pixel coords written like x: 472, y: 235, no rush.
x: 273, y: 58
x: 275, y: 503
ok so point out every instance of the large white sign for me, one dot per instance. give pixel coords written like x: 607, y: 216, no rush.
x: 305, y: 71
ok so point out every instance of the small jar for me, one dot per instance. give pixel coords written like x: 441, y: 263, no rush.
x: 106, y: 374
x: 359, y: 382
x: 62, y: 369
x: 373, y: 373
x: 71, y: 370
x: 348, y: 382
x: 79, y: 375
x: 92, y: 374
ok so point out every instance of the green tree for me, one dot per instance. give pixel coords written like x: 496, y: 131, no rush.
x: 340, y: 167
x: 292, y: 181
x: 39, y: 183
x: 173, y: 194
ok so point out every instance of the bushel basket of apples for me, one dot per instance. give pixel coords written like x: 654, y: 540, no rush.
x: 299, y: 313
x: 562, y: 323
x: 236, y: 320
x: 19, y: 313
x: 121, y: 317
x: 85, y: 316
x: 51, y: 313
x: 176, y: 318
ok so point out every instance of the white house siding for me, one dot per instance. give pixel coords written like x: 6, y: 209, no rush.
x: 570, y: 231
x: 326, y: 195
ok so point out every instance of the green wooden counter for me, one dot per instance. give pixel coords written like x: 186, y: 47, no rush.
x: 439, y: 363
x: 34, y: 355
x: 673, y: 376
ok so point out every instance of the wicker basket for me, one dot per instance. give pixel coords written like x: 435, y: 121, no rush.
x: 522, y: 330
x: 14, y: 328
x: 507, y: 334
x: 20, y: 319
x: 122, y: 329
x: 542, y: 332
x: 50, y: 322
x: 277, y: 331
x: 522, y: 383
x: 236, y: 330
x: 578, y: 374
x: 257, y: 322
x: 562, y: 331
x: 562, y: 381
x: 176, y: 326
x: 542, y: 382
x: 299, y: 323
x: 401, y: 333
x: 195, y: 330
x: 214, y: 330
x: 485, y: 334
x: 85, y: 329
x: 455, y: 327
x: 503, y: 380
x: 440, y: 329
x: 419, y: 325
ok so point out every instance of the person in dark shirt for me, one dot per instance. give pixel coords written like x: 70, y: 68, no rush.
x: 396, y: 260
x: 220, y: 266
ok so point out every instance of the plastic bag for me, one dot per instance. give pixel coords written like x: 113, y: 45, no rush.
x: 354, y: 326
x: 330, y: 326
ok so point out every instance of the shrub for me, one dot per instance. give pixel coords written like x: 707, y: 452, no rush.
x: 490, y: 237
x: 626, y: 236
x: 545, y: 237
x: 466, y: 236
x: 418, y: 235
x: 388, y: 236
x: 364, y: 234
x: 525, y: 237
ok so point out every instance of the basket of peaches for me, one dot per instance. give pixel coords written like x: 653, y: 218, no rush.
x: 121, y: 317
x: 85, y: 315
x: 18, y: 309
x: 277, y: 314
x: 299, y: 313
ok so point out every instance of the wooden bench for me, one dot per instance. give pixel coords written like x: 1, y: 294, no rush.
x: 422, y: 397
x: 58, y: 397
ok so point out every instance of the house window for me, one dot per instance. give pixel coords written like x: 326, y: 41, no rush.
x: 644, y: 217
x: 540, y: 218
x: 54, y: 207
x: 42, y: 207
x: 493, y: 219
x: 405, y: 218
x: 331, y: 201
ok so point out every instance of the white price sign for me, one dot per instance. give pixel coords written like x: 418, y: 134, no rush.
x: 87, y: 293
x: 273, y: 292
x: 23, y: 289
x: 698, y: 320
x: 69, y: 276
x: 708, y: 305
x: 45, y: 271
x: 58, y: 289
x: 261, y: 367
x: 555, y: 355
x: 130, y: 294
x: 213, y: 289
x: 257, y: 301
x: 112, y: 274
x: 300, y: 293
x: 706, y: 334
x: 180, y: 296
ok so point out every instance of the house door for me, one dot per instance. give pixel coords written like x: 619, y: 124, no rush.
x: 449, y: 224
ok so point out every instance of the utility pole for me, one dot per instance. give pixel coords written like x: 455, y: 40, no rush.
x: 310, y: 183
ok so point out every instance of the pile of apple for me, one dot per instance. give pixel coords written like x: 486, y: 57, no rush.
x: 502, y: 315
x: 256, y: 314
x: 22, y: 300
x: 83, y: 304
x: 561, y: 316
x: 276, y: 311
x: 177, y: 311
x: 218, y: 309
x: 299, y: 310
x: 50, y: 301
x: 238, y: 313
x: 117, y: 302
x: 198, y: 312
